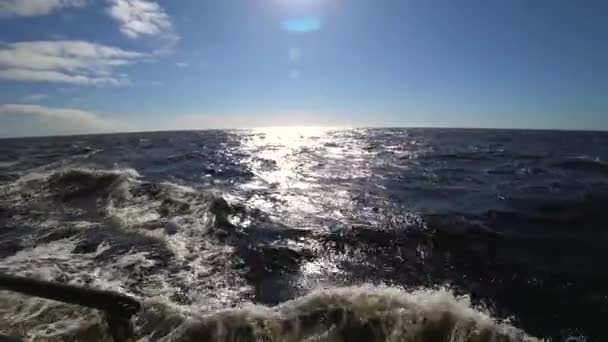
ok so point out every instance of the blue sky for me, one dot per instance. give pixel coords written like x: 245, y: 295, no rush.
x: 79, y: 66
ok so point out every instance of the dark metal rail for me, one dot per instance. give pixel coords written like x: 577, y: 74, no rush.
x: 118, y: 308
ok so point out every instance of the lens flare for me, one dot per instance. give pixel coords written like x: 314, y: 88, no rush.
x: 302, y: 24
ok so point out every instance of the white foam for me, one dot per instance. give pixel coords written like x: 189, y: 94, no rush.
x: 366, y: 312
x: 363, y: 313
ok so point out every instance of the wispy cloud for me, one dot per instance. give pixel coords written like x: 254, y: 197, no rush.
x: 139, y: 18
x: 66, y: 61
x: 34, y: 97
x: 29, y: 8
x: 181, y: 64
x: 29, y: 120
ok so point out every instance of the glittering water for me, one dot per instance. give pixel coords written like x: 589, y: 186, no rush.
x: 312, y: 233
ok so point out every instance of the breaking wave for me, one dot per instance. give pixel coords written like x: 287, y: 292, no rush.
x: 149, y: 239
x: 364, y: 313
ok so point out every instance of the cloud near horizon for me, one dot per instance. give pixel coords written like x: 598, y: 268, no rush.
x: 66, y: 61
x: 18, y: 120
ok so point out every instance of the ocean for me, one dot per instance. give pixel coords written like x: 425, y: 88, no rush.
x: 312, y: 234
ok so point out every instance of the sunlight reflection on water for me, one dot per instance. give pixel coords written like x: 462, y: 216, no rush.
x: 297, y: 162
x: 314, y: 178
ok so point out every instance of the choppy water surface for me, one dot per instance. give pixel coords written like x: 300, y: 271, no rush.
x: 312, y: 234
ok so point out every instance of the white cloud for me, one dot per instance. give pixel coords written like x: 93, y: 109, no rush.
x: 181, y: 64
x: 31, y: 120
x: 142, y: 18
x: 34, y: 97
x: 60, y: 77
x: 28, y: 8
x: 65, y: 61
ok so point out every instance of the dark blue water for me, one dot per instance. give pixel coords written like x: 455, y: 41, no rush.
x: 507, y: 224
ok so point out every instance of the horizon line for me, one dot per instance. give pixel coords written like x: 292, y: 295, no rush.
x: 151, y: 131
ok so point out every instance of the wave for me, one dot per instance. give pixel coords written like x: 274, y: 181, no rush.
x: 365, y: 313
x: 583, y: 164
x: 122, y: 195
x: 102, y: 216
x: 362, y: 313
x: 8, y: 164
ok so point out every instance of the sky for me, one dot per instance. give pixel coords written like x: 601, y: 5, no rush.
x: 89, y: 66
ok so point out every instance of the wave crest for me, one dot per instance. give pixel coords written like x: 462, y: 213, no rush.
x: 365, y: 313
